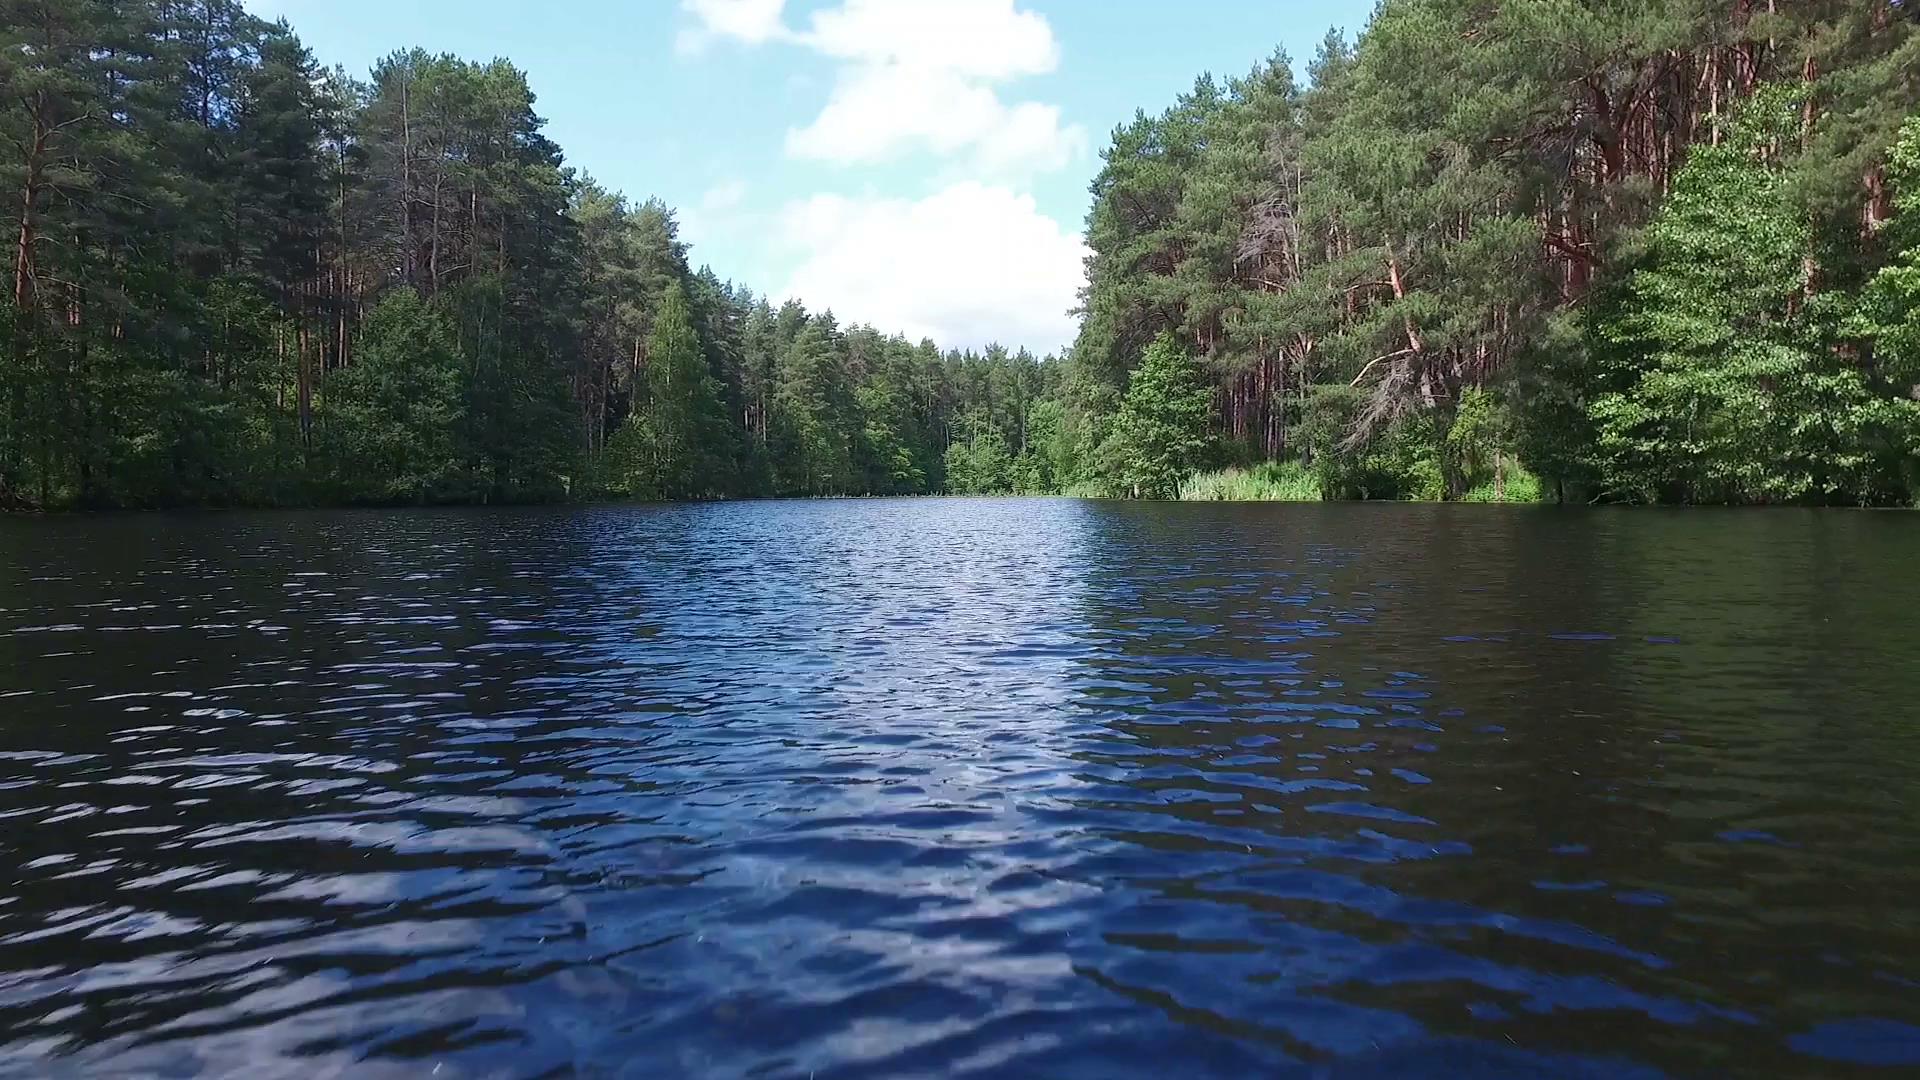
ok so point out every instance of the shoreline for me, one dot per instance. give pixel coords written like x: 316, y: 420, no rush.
x: 599, y: 504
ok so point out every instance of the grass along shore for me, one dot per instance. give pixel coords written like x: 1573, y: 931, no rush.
x: 1291, y: 482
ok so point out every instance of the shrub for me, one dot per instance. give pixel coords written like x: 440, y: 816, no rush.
x: 1272, y: 481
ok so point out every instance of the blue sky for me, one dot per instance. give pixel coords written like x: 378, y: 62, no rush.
x: 921, y: 165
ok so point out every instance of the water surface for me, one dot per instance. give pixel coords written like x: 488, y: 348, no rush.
x: 962, y: 787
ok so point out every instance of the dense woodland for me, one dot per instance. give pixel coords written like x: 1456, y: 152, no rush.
x: 1623, y: 250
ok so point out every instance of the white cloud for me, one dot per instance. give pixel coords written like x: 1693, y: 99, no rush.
x: 717, y: 213
x: 1030, y: 135
x: 878, y: 111
x: 983, y: 39
x: 724, y: 196
x: 969, y: 265
x: 974, y: 262
x: 749, y: 21
x: 917, y: 75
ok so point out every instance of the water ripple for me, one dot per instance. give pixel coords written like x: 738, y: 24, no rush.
x: 968, y: 787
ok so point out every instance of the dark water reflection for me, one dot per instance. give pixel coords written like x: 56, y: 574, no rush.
x: 961, y: 787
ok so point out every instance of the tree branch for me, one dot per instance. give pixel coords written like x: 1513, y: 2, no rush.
x: 1377, y: 360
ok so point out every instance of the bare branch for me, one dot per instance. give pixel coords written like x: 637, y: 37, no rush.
x: 1371, y: 364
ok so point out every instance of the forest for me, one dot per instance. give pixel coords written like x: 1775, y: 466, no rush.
x: 1504, y: 250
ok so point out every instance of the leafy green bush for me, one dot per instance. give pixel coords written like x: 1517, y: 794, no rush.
x: 1521, y: 487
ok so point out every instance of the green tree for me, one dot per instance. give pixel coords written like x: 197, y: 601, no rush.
x: 1720, y: 388
x: 981, y: 463
x: 813, y: 412
x: 1531, y: 226
x: 887, y: 460
x: 520, y: 430
x: 394, y: 416
x: 668, y: 449
x: 1161, y: 429
x: 1889, y: 315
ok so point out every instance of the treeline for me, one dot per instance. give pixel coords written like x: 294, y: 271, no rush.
x: 1659, y: 251
x: 240, y: 278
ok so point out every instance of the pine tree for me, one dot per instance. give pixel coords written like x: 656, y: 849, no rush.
x: 1161, y: 430
x: 812, y: 409
x: 670, y: 449
x: 392, y: 417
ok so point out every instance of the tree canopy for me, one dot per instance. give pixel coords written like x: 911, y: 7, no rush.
x: 1661, y: 251
x: 1651, y: 252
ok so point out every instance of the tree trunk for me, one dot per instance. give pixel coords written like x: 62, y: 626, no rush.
x: 1400, y: 293
x: 1879, y: 207
x: 433, y: 248
x: 36, y: 163
x: 407, y: 252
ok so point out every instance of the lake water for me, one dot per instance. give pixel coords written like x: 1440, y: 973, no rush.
x: 962, y: 787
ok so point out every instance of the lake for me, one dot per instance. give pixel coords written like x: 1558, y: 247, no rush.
x: 961, y: 787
